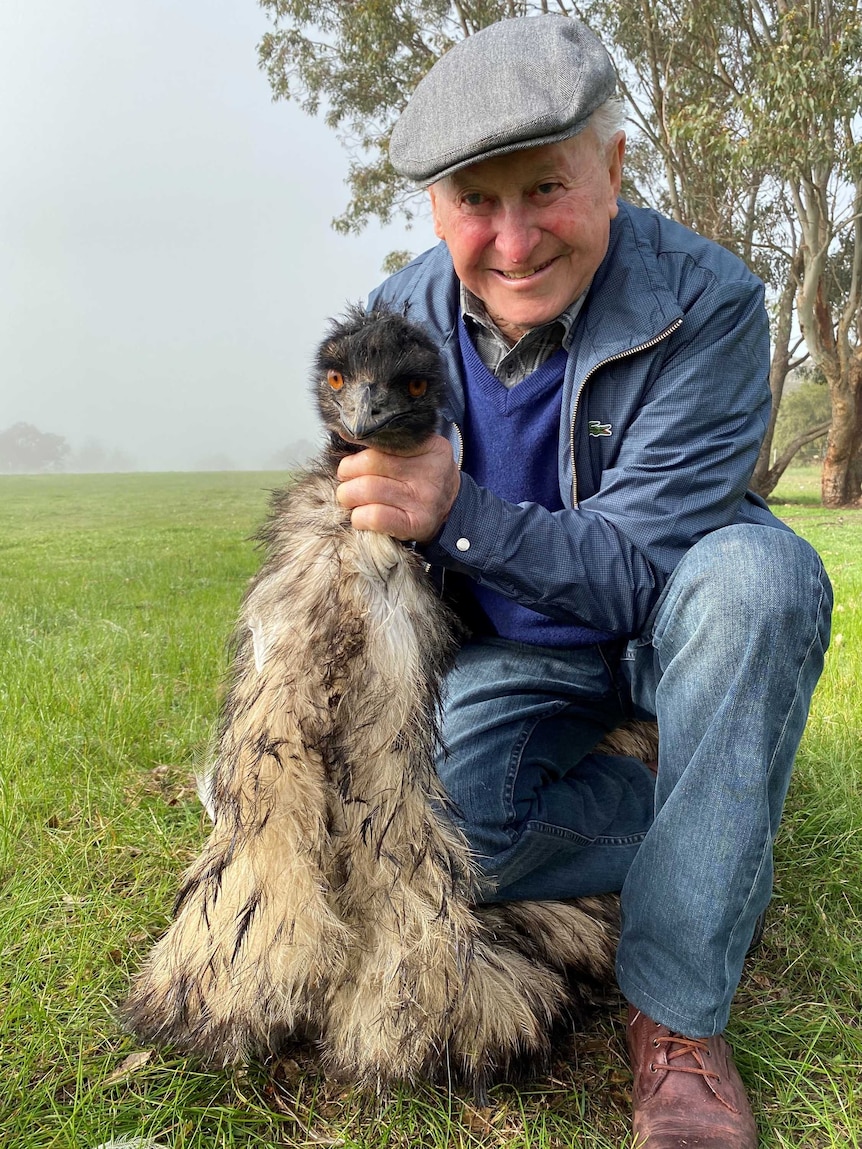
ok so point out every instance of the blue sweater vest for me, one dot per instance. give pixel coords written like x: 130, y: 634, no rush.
x: 510, y: 448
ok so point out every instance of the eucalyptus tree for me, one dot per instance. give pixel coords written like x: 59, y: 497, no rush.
x: 807, y: 109
x: 755, y: 107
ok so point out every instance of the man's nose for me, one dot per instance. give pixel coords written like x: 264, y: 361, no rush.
x: 518, y: 236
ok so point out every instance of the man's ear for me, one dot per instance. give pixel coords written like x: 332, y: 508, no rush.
x: 435, y: 212
x: 615, y: 153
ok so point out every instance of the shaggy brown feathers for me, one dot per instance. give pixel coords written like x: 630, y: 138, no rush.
x: 333, y: 898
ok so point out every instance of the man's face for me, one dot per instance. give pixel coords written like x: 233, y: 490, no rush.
x: 527, y: 231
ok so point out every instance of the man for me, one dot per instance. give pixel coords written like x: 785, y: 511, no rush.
x: 608, y: 397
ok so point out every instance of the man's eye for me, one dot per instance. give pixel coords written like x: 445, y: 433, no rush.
x: 547, y: 188
x: 472, y: 199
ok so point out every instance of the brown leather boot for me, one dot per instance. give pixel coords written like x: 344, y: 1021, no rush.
x: 687, y: 1091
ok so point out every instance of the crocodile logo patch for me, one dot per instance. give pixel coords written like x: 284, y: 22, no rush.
x: 598, y: 430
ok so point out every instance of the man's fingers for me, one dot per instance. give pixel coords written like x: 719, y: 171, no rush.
x: 370, y: 489
x: 374, y: 462
x: 380, y: 505
x: 383, y: 519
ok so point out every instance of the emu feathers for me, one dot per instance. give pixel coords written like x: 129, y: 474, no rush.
x: 333, y: 900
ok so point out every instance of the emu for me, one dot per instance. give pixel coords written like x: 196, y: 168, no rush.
x: 334, y: 900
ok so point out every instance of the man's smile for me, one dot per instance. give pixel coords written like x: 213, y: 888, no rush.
x: 525, y: 274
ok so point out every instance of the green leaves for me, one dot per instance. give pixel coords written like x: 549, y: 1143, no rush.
x: 357, y: 61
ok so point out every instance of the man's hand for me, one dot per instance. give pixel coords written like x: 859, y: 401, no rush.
x: 406, y: 496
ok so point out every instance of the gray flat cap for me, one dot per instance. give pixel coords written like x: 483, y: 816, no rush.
x: 516, y: 84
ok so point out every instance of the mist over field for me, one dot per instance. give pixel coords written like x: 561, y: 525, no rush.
x: 168, y: 261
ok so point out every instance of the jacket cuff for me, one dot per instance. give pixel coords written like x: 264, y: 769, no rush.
x: 466, y: 541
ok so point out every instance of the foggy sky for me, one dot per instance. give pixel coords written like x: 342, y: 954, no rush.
x: 166, y: 257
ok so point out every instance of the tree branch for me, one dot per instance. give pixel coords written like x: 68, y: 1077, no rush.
x: 799, y: 442
x: 462, y: 16
x: 769, y: 480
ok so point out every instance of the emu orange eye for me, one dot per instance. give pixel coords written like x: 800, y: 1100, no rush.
x: 417, y: 387
x: 335, y: 380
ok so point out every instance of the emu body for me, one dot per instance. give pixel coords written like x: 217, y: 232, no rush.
x: 333, y: 899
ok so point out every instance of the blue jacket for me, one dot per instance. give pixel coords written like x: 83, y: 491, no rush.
x: 665, y: 404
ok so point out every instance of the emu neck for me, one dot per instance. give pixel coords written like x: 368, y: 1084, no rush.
x: 337, y: 449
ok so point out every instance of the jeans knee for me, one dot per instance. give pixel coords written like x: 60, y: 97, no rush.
x: 750, y: 582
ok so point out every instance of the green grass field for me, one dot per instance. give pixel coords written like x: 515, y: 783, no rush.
x: 117, y: 595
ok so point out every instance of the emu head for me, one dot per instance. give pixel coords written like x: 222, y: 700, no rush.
x: 378, y: 381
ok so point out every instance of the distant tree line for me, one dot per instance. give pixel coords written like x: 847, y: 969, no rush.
x: 747, y: 129
x: 24, y: 449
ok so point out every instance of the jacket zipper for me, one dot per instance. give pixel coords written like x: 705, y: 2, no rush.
x: 611, y: 359
x: 460, y: 459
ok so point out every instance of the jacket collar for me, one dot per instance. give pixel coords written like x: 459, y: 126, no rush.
x: 629, y: 303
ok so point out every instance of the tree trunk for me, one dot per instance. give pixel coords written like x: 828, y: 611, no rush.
x: 763, y: 480
x: 841, y: 479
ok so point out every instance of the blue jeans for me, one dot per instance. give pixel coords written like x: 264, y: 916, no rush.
x: 727, y: 665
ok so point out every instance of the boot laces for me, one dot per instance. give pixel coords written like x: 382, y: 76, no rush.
x: 679, y: 1046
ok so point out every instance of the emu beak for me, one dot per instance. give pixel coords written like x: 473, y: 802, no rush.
x: 360, y: 417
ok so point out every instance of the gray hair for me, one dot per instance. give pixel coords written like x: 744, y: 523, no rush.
x: 608, y: 119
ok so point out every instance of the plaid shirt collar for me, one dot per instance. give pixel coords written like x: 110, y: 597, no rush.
x: 510, y: 364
